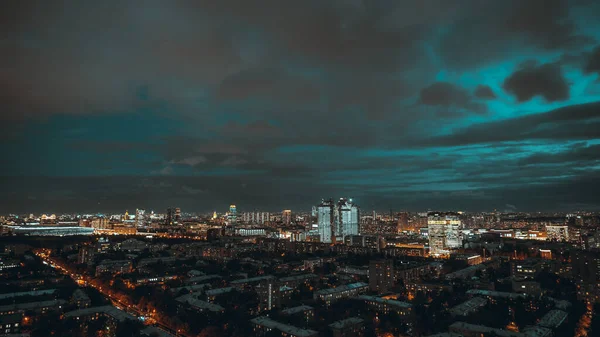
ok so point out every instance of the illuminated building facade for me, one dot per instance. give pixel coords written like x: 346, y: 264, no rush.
x: 381, y: 275
x: 140, y: 218
x: 558, y: 233
x: 286, y: 216
x: 232, y: 215
x: 444, y: 233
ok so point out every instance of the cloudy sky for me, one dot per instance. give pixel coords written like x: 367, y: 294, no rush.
x: 270, y: 104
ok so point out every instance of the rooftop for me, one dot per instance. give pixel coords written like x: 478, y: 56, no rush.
x: 154, y: 331
x: 295, y: 310
x: 394, y: 303
x: 288, y: 329
x: 218, y: 291
x: 109, y: 310
x: 32, y: 305
x: 28, y: 293
x: 468, y: 306
x: 346, y: 322
x: 553, y: 319
x: 199, y: 304
x: 202, y: 278
x: 297, y: 277
x: 485, y: 329
x: 340, y: 289
x: 491, y: 293
x: 253, y: 279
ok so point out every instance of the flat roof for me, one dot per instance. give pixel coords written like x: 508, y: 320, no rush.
x: 152, y: 330
x: 468, y: 306
x: 341, y: 288
x: 288, y: 329
x: 28, y: 293
x: 394, y: 303
x: 105, y: 309
x: 253, y: 279
x: 295, y: 310
x: 218, y: 291
x: 202, y: 278
x: 485, y: 329
x: 346, y: 322
x: 553, y: 319
x: 194, y: 302
x: 297, y: 277
x: 32, y: 305
x: 492, y: 293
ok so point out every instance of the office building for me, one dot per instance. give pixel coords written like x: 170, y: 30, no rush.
x: 444, y: 233
x: 381, y: 275
x: 170, y: 217
x: 557, y: 233
x: 346, y: 218
x: 403, y: 222
x: 286, y: 217
x: 325, y: 218
x: 140, y: 218
x: 255, y: 217
x: 178, y: 215
x: 232, y: 215
x: 337, y: 220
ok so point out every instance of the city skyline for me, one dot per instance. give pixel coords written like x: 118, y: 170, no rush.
x: 448, y: 105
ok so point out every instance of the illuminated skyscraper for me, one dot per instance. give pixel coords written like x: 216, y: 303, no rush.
x: 336, y: 221
x: 286, y: 216
x: 325, y: 220
x: 444, y: 233
x: 170, y: 217
x: 140, y: 218
x: 232, y: 216
x: 177, y: 215
x: 346, y: 218
x: 402, y: 222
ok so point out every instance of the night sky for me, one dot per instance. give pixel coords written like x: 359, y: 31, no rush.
x: 409, y: 105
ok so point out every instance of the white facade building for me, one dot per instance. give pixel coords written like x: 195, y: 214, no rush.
x: 444, y: 233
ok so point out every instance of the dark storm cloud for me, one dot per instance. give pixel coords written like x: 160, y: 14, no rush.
x: 443, y: 94
x: 546, y: 80
x: 275, y: 104
x: 581, y: 154
x: 593, y: 61
x: 484, y: 92
x: 492, y: 30
x: 569, y: 123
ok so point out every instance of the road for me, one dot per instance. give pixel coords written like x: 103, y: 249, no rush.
x: 149, y: 318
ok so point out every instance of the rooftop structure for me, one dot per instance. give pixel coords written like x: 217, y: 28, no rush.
x: 218, y: 291
x: 553, y: 319
x: 253, y: 279
x: 28, y: 293
x: 109, y: 310
x: 346, y: 322
x: 297, y: 277
x: 393, y: 303
x: 497, y: 294
x: 285, y: 328
x: 199, y: 304
x: 32, y: 306
x: 296, y: 310
x: 340, y: 289
x: 468, y: 307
